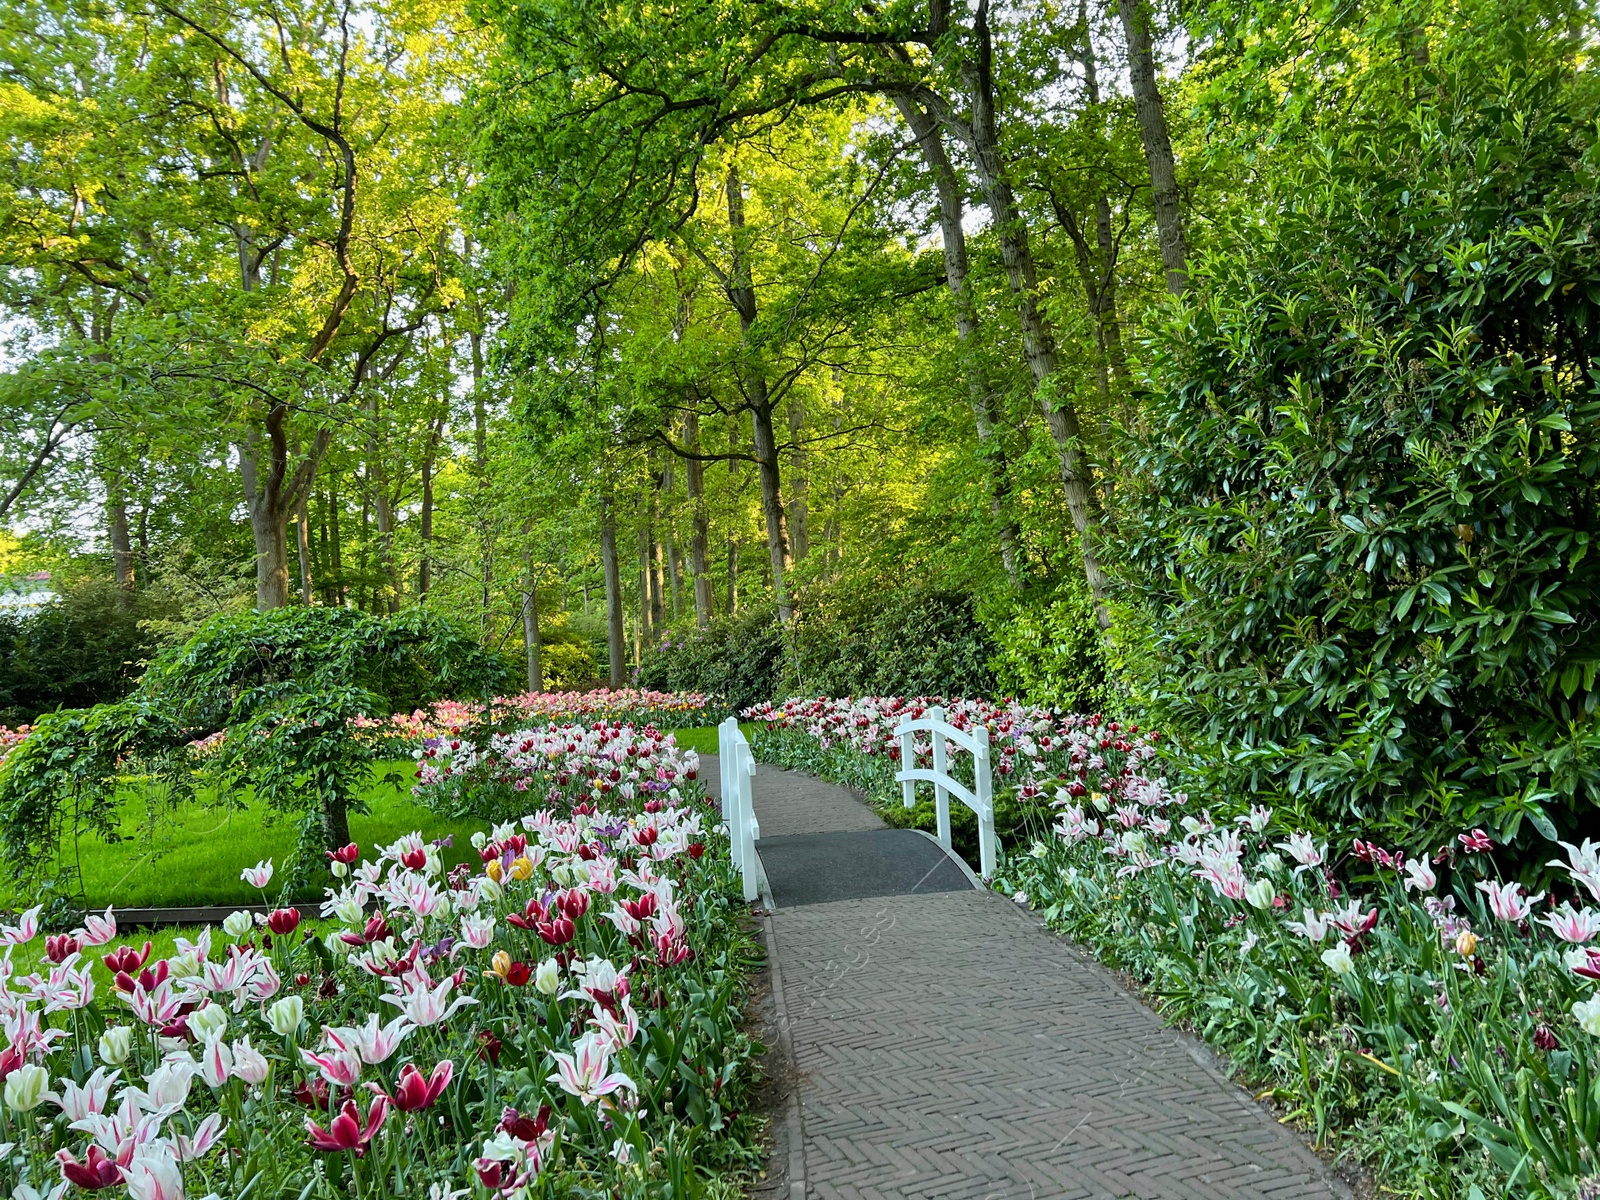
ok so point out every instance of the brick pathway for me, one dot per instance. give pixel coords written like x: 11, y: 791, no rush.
x: 948, y: 1045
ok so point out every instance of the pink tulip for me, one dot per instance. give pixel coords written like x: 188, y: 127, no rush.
x: 1589, y: 968
x: 259, y: 875
x: 1573, y: 925
x: 24, y: 931
x: 1508, y: 901
x: 1420, y: 876
x: 586, y: 1072
x: 342, y: 1068
x: 97, y: 931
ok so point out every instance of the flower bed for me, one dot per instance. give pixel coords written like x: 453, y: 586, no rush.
x: 630, y: 705
x: 492, y: 775
x: 451, y: 717
x: 564, y: 1021
x: 1421, y: 1013
x: 12, y: 738
x: 1034, y: 752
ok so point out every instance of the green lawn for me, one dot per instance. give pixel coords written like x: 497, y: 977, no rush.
x: 193, y: 855
x: 703, y: 740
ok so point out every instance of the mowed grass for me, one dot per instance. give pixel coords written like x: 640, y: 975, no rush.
x: 193, y: 854
x: 703, y: 740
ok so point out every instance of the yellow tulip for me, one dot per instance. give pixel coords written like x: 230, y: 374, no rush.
x: 501, y: 964
x: 521, y: 868
x: 1466, y: 943
x: 493, y: 870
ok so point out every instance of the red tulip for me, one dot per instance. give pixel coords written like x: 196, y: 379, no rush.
x: 347, y: 1131
x: 96, y: 1171
x: 489, y: 1046
x: 126, y: 960
x: 413, y: 1093
x: 284, y: 921
x: 345, y: 854
x: 558, y: 931
x: 58, y: 945
x: 524, y: 1128
x: 518, y: 974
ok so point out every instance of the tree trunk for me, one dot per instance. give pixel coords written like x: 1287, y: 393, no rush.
x: 336, y: 550
x: 979, y: 394
x: 1038, y: 343
x: 733, y: 574
x: 616, y: 647
x: 302, y: 517
x: 799, y: 482
x: 674, y: 557
x: 480, y: 434
x: 658, y: 600
x: 272, y: 558
x: 121, y: 543
x: 742, y: 293
x: 645, y: 630
x: 425, y: 518
x: 144, y: 539
x: 530, y: 632
x: 658, y: 589
x: 695, y: 479
x: 335, y: 822
x: 1158, y: 157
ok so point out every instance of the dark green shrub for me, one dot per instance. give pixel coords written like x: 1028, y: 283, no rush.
x: 1360, y: 518
x: 1048, y: 649
x: 85, y: 648
x: 846, y: 639
x: 740, y: 660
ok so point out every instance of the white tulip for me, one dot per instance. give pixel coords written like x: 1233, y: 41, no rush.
x: 209, y: 1023
x: 1338, y: 959
x: 26, y: 1088
x: 115, y: 1044
x: 1586, y: 1012
x: 286, y: 1014
x: 1259, y: 893
x: 238, y: 924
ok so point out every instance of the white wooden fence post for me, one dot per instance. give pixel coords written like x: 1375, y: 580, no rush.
x: 941, y: 796
x: 750, y: 830
x: 908, y: 759
x: 985, y: 792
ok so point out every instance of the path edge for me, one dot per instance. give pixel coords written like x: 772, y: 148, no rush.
x: 793, y: 1120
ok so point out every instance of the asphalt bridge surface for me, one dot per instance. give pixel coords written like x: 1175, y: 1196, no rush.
x: 946, y: 1044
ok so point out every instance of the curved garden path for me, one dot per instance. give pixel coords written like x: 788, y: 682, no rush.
x: 943, y: 1043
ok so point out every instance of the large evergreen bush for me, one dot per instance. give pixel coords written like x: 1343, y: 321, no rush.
x: 85, y: 648
x: 849, y: 637
x: 1361, y: 511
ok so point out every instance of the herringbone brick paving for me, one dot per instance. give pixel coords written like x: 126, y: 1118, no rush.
x: 949, y: 1046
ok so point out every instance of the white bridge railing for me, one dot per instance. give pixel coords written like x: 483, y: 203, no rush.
x: 738, y: 800
x: 980, y: 801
